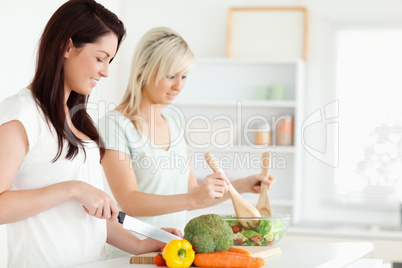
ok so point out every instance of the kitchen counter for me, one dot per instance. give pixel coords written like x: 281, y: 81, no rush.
x: 352, y: 232
x: 306, y: 255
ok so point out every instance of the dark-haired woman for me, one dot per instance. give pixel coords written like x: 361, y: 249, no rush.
x: 51, y: 194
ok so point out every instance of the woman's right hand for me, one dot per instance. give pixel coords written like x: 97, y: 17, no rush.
x: 95, y: 202
x: 214, y: 186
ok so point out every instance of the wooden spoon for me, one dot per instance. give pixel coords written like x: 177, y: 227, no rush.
x: 241, y: 206
x: 263, y: 205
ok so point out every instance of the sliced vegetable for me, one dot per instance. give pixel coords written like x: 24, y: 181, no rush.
x: 256, y: 238
x: 250, y: 233
x: 236, y: 228
x: 268, y: 232
x: 226, y: 259
x: 178, y: 253
x: 238, y: 242
x: 159, y: 261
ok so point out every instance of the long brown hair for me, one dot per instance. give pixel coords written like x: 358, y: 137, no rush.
x: 84, y: 21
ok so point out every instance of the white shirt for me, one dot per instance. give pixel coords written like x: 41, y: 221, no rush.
x: 157, y: 171
x: 64, y: 235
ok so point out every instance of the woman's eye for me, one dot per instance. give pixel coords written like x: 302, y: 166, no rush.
x: 170, y: 76
x: 99, y: 60
x: 184, y: 77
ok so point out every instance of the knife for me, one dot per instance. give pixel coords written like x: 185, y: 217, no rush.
x: 145, y: 229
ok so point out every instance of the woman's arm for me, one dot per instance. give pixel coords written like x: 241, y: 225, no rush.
x: 123, y: 239
x: 123, y: 183
x: 19, y: 205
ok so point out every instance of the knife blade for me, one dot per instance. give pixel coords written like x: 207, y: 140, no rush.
x: 147, y: 230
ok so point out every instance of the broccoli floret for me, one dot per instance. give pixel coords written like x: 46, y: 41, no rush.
x: 209, y: 233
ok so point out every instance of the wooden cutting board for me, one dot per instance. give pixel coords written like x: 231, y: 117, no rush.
x: 263, y: 252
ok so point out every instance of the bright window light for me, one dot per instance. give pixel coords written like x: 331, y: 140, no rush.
x: 368, y: 85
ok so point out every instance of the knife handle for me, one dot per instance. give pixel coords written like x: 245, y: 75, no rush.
x: 121, y: 217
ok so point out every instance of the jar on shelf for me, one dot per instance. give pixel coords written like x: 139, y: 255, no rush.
x: 284, y: 131
x: 263, y: 134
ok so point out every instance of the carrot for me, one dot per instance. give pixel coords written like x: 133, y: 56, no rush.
x: 239, y: 250
x: 227, y: 259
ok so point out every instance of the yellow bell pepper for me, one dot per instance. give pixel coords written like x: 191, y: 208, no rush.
x: 178, y: 254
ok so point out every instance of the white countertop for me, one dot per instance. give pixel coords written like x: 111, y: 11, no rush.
x: 306, y: 255
x: 351, y: 232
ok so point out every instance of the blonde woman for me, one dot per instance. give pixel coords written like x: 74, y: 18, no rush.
x: 144, y: 155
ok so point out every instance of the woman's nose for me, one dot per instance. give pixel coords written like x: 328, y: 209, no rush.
x: 105, y: 70
x: 179, y: 83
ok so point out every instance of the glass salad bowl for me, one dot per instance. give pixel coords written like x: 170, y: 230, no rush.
x: 268, y: 231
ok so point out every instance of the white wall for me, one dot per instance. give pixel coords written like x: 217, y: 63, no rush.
x: 21, y: 24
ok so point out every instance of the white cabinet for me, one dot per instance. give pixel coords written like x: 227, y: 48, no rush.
x: 221, y: 107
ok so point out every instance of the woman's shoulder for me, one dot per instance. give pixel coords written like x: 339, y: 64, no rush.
x: 22, y: 107
x: 113, y: 117
x: 22, y: 97
x: 21, y: 103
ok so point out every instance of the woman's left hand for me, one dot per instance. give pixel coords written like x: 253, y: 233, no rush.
x: 252, y: 184
x: 174, y: 231
x: 154, y: 245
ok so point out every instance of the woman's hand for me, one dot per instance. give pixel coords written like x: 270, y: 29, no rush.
x: 252, y: 184
x: 154, y: 245
x: 174, y: 231
x: 214, y: 186
x: 123, y: 239
x: 96, y: 202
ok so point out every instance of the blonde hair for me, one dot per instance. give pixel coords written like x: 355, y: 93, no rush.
x: 160, y: 51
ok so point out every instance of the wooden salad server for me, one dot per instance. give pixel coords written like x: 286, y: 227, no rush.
x: 263, y: 205
x: 241, y: 206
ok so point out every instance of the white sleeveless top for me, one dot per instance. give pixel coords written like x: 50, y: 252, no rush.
x: 157, y: 171
x: 64, y: 235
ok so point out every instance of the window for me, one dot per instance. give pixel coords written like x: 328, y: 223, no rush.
x: 368, y: 84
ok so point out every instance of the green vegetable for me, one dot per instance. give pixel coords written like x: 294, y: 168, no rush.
x: 264, y: 227
x: 232, y: 223
x: 250, y: 233
x: 266, y: 233
x: 267, y: 239
x: 209, y: 233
